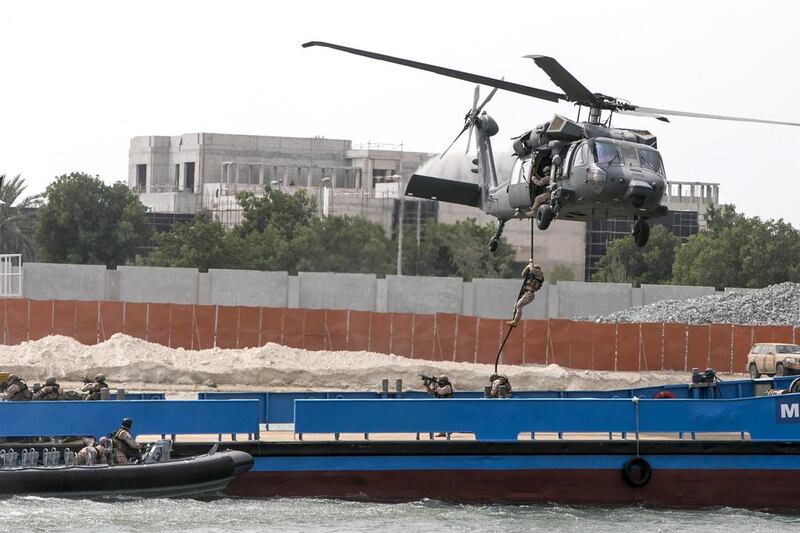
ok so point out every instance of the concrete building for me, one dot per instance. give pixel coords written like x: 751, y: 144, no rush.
x: 184, y: 173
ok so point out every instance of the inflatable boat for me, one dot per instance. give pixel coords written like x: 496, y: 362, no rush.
x: 156, y: 474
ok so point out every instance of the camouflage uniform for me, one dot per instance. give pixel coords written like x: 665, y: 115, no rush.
x: 534, y: 279
x: 541, y: 183
x: 91, y: 455
x: 443, y: 389
x: 17, y: 391
x: 50, y: 391
x: 124, y: 445
x: 497, y: 382
x: 92, y: 389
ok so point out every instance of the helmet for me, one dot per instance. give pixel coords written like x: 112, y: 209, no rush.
x: 536, y: 266
x: 546, y: 170
x: 444, y: 379
x: 103, y: 441
x: 127, y: 423
x: 12, y: 378
x: 50, y: 382
x: 100, y: 377
x: 493, y: 377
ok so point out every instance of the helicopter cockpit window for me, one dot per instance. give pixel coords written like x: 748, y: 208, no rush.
x: 630, y: 156
x: 516, y: 172
x: 581, y: 155
x: 605, y: 151
x: 651, y: 160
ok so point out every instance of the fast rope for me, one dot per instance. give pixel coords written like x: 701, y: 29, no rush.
x: 511, y: 328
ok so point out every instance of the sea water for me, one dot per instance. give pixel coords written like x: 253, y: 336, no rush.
x: 295, y: 515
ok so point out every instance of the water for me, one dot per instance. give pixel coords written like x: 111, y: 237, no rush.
x: 289, y: 515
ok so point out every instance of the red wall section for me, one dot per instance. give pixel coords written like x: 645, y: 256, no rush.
x: 180, y: 326
x: 111, y: 320
x: 402, y: 333
x: 627, y: 347
x: 720, y: 341
x: 16, y: 316
x: 651, y: 348
x: 314, y: 337
x: 359, y: 324
x: 271, y: 325
x: 535, y: 348
x: 40, y: 319
x: 513, y: 351
x: 336, y: 321
x: 582, y: 349
x: 380, y: 335
x: 783, y: 334
x: 64, y: 318
x: 158, y: 320
x: 204, y: 327
x: 674, y: 346
x: 558, y: 341
x: 86, y: 327
x: 489, y: 339
x: 293, y: 328
x: 249, y: 330
x: 136, y: 320
x: 422, y: 342
x: 697, y: 347
x: 227, y: 326
x: 604, y: 346
x: 444, y: 345
x: 466, y: 339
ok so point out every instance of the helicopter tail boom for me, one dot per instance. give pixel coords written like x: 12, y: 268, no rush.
x: 444, y: 190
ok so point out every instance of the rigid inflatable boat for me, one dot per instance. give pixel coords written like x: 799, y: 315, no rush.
x: 156, y: 474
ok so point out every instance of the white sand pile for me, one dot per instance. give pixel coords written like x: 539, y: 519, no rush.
x: 126, y: 360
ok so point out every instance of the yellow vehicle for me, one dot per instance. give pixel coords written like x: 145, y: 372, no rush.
x: 773, y: 359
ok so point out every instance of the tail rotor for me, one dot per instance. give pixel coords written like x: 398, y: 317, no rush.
x: 471, y: 118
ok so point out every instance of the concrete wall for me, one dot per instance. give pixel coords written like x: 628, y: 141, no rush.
x: 489, y: 298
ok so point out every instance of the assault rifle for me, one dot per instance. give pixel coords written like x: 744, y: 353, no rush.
x: 428, y: 379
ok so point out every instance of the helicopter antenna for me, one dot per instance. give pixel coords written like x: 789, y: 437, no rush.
x: 579, y: 113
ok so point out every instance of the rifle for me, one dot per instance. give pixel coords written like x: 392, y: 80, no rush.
x: 428, y: 379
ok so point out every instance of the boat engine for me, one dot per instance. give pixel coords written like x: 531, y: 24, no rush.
x: 158, y: 451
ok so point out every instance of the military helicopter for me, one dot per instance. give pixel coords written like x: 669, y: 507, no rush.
x: 594, y: 170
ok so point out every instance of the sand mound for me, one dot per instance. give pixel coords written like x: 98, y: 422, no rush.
x: 126, y: 360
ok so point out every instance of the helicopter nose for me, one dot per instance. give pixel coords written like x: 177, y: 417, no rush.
x: 638, y: 192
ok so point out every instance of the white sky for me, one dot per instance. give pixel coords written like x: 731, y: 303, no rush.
x: 79, y: 79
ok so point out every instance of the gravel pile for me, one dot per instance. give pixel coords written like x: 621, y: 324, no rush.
x: 773, y: 305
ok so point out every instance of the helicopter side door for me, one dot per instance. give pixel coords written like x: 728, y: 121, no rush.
x: 579, y: 165
x: 519, y: 195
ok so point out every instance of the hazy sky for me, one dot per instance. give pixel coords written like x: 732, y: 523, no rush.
x: 79, y: 79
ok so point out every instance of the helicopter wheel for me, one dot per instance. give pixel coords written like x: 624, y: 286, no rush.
x: 641, y: 232
x: 544, y: 215
x: 493, y: 244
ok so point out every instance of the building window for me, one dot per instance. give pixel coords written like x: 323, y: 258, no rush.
x: 177, y: 176
x: 188, y: 174
x: 141, y: 177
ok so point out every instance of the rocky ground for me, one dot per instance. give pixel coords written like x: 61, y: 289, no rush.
x: 773, y: 305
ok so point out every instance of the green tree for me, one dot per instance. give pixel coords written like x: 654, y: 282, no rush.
x: 16, y: 218
x: 85, y: 221
x: 560, y: 273
x: 344, y: 244
x: 458, y: 249
x: 624, y: 262
x: 275, y: 209
x: 201, y: 244
x: 738, y: 251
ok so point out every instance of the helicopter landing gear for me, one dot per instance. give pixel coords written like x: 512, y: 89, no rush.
x: 494, y: 242
x: 641, y: 232
x: 544, y: 215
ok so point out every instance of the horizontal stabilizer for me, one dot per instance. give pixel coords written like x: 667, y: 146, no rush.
x: 444, y: 190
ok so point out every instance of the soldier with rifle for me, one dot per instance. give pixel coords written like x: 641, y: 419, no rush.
x: 437, y: 387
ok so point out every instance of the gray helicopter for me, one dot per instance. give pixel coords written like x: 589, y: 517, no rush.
x: 577, y: 170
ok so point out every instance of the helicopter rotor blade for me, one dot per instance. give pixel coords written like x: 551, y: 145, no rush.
x: 451, y: 73
x: 475, y: 97
x: 575, y: 90
x: 638, y: 113
x: 483, y: 104
x: 466, y: 126
x: 654, y: 111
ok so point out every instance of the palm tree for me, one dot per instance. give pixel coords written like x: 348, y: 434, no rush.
x: 17, y: 218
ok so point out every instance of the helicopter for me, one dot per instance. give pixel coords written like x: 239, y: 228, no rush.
x: 564, y: 169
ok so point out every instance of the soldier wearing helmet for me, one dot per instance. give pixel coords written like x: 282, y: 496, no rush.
x: 92, y: 389
x: 534, y: 279
x: 501, y: 386
x: 441, y: 388
x: 17, y: 390
x: 125, y: 446
x: 50, y: 391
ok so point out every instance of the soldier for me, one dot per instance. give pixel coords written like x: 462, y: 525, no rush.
x: 17, y: 390
x: 534, y: 279
x: 93, y: 454
x: 125, y: 446
x: 50, y: 391
x: 542, y: 184
x: 92, y: 389
x: 439, y: 389
x: 498, y: 381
